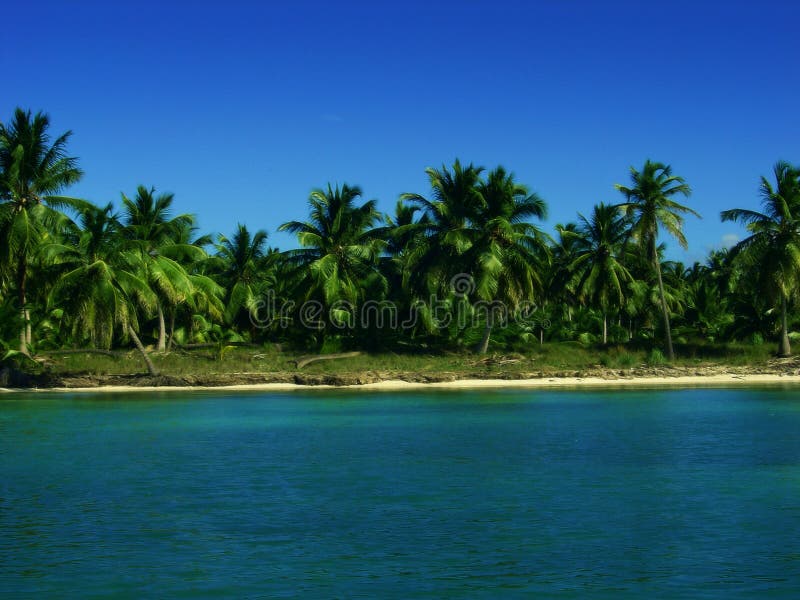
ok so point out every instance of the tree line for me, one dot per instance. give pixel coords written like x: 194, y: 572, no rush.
x: 77, y: 275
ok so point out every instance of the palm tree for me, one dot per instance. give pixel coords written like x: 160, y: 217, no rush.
x: 707, y: 311
x: 155, y: 234
x: 600, y: 274
x: 507, y: 253
x: 446, y: 227
x: 100, y: 287
x: 32, y: 173
x: 478, y: 228
x: 403, y: 234
x: 240, y: 263
x: 649, y: 206
x: 559, y: 277
x: 771, y: 253
x: 340, y: 250
x: 207, y: 295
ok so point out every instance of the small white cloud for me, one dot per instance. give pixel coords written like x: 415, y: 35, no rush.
x: 729, y: 239
x: 330, y: 118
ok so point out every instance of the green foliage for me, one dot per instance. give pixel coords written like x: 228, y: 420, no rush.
x: 650, y: 207
x: 75, y: 275
x: 626, y: 360
x: 770, y: 255
x: 656, y: 358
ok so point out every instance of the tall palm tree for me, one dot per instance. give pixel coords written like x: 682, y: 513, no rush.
x: 508, y: 250
x: 340, y: 251
x: 558, y: 280
x: 649, y: 206
x: 240, y: 261
x: 33, y: 171
x: 446, y: 225
x: 100, y: 287
x: 480, y: 228
x: 403, y: 233
x: 151, y: 229
x: 206, y: 295
x: 601, y: 276
x: 771, y: 253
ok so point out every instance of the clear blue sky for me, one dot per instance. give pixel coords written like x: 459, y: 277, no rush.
x: 241, y: 108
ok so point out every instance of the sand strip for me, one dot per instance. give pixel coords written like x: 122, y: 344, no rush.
x: 465, y: 384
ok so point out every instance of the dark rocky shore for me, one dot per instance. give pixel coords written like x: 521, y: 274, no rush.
x: 11, y: 378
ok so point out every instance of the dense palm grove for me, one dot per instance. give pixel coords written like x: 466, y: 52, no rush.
x: 464, y: 265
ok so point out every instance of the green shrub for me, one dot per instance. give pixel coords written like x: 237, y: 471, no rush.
x: 626, y: 360
x: 656, y: 358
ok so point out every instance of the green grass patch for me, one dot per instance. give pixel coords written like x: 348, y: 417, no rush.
x: 550, y: 358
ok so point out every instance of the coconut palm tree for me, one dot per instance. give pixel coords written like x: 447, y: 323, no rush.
x: 771, y: 253
x: 560, y: 277
x: 100, y: 287
x: 33, y: 171
x: 207, y: 295
x: 600, y: 273
x: 150, y: 229
x: 478, y: 232
x: 338, y: 261
x: 508, y: 252
x: 650, y: 207
x: 446, y: 225
x: 240, y: 262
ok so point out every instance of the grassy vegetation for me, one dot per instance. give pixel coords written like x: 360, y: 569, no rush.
x: 467, y: 269
x: 553, y: 358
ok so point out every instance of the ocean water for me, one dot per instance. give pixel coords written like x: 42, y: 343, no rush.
x: 679, y: 493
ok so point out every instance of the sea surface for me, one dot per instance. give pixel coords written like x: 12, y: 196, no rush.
x: 609, y: 494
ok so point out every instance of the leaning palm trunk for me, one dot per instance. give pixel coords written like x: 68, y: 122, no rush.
x: 605, y: 329
x: 483, y: 347
x: 151, y: 368
x: 670, y: 351
x: 784, y: 348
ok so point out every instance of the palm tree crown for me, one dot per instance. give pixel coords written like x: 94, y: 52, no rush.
x: 150, y: 229
x: 340, y: 249
x: 240, y: 261
x: 649, y: 206
x: 598, y: 265
x: 771, y: 253
x: 32, y: 171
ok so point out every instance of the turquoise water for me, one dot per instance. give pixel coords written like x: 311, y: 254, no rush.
x: 691, y: 493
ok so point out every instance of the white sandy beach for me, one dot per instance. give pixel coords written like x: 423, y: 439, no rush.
x: 725, y: 380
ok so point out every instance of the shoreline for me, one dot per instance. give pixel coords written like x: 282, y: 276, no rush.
x: 593, y: 382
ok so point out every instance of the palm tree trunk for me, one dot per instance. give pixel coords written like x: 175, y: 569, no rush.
x: 151, y: 368
x: 171, y: 330
x: 784, y: 348
x: 487, y: 333
x: 23, y: 344
x: 670, y: 351
x: 162, y: 331
x: 605, y: 329
x: 24, y: 334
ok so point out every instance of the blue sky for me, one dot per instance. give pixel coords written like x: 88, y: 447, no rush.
x: 241, y: 108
